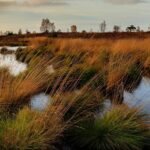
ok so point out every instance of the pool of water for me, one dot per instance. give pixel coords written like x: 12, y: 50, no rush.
x: 140, y: 97
x: 12, y: 48
x: 15, y: 67
x: 10, y: 62
x: 40, y: 102
x: 50, y: 69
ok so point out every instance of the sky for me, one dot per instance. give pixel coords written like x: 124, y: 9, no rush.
x: 86, y: 14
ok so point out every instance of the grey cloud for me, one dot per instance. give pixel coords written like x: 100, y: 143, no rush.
x: 125, y: 1
x: 7, y: 3
x: 43, y: 2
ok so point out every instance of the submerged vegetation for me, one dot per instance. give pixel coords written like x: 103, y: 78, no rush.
x: 79, y: 76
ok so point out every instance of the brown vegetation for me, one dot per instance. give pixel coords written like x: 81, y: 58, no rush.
x: 23, y: 39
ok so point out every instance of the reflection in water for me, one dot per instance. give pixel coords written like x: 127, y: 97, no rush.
x: 9, y: 61
x: 140, y: 96
x: 40, y: 102
x: 50, y: 69
x: 107, y: 105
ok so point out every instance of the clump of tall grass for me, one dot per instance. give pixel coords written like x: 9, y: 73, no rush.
x: 30, y: 130
x: 120, y: 128
x: 15, y: 91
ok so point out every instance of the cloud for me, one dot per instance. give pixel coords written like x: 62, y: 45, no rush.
x: 40, y: 2
x: 7, y: 3
x: 125, y: 1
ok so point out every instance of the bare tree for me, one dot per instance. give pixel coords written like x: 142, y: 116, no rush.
x: 83, y: 31
x: 28, y: 32
x: 47, y: 26
x: 91, y: 30
x: 103, y: 26
x: 149, y: 29
x: 1, y: 33
x: 34, y: 32
x: 138, y: 29
x: 59, y: 31
x: 74, y: 28
x: 52, y: 27
x: 116, y: 28
x: 20, y: 32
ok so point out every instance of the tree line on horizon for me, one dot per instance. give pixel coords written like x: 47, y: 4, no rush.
x: 49, y: 27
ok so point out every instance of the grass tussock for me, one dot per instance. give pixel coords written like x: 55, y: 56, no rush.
x: 17, y: 90
x: 120, y: 128
x: 30, y: 130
